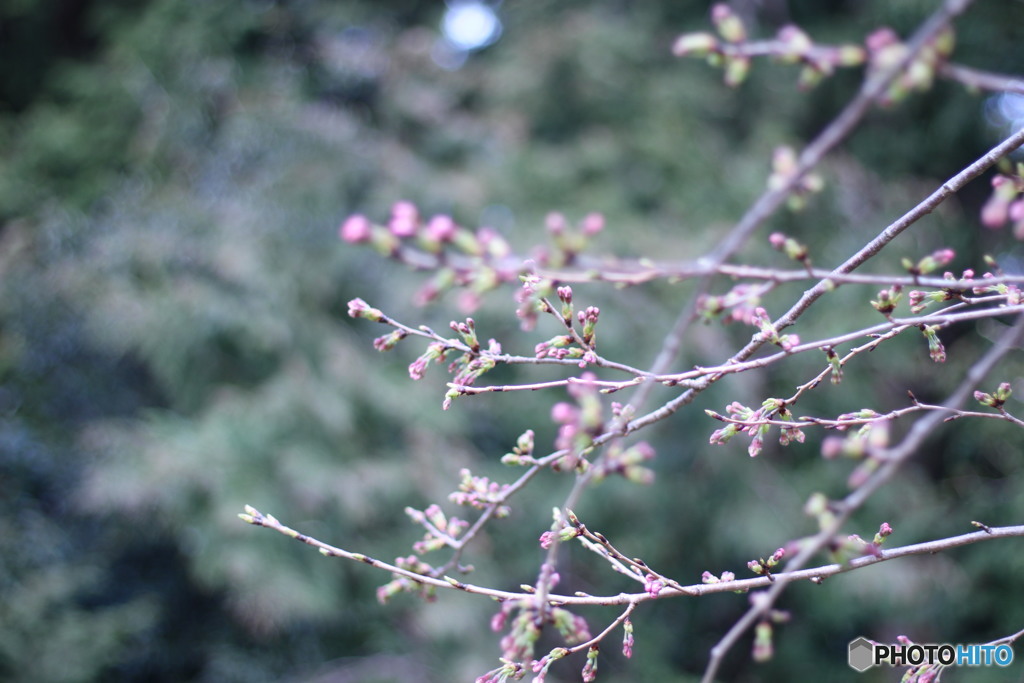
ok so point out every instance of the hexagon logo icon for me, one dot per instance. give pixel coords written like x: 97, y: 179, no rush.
x: 861, y: 655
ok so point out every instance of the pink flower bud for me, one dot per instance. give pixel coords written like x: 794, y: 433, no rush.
x: 405, y: 219
x: 881, y: 38
x: 653, y: 584
x: 593, y: 223
x: 943, y: 256
x: 555, y: 223
x: 355, y: 229
x: 563, y: 413
x: 995, y: 212
x: 357, y: 308
x: 441, y: 228
x: 832, y: 447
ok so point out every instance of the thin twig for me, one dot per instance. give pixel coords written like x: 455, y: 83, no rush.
x: 257, y: 518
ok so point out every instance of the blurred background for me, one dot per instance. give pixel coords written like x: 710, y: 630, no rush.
x: 174, y: 344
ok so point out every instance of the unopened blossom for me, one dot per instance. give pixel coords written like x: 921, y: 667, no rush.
x: 441, y: 228
x: 593, y: 223
x: 653, y: 585
x: 355, y: 229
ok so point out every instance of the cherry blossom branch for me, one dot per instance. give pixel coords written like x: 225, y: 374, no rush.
x: 816, y: 574
x: 864, y: 254
x: 759, y: 212
x: 893, y: 459
x: 481, y: 260
x: 852, y: 420
x: 880, y: 332
x: 630, y: 606
x: 587, y: 268
x: 641, y: 271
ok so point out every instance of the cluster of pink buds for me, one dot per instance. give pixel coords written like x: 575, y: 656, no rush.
x: 578, y: 423
x: 887, y: 300
x: 403, y: 584
x: 755, y: 423
x: 770, y: 334
x: 508, y: 671
x: 480, y: 493
x: 1011, y: 292
x: 525, y: 630
x: 435, y: 352
x: 921, y: 300
x: 875, y: 547
x: 763, y: 649
x: 440, y: 529
x: 871, y: 436
x: 884, y: 531
x: 785, y: 166
x: 819, y: 508
x: 627, y: 638
x: 886, y: 50
x: 467, y: 331
x: 480, y: 256
x: 468, y: 367
x: 763, y: 567
x: 569, y: 242
x: 518, y: 644
x: 571, y: 626
x: 742, y: 302
x: 563, y: 529
x: 997, y: 398
x: 532, y: 299
x: 357, y: 308
x: 936, y: 350
x: 709, y: 578
x: 863, y: 444
x: 790, y: 247
x: 541, y: 666
x: 929, y: 264
x: 731, y: 51
x: 590, y: 668
x: 739, y: 412
x: 571, y: 346
x: 522, y: 452
x: 731, y: 29
x: 390, y: 340
x: 628, y: 462
x: 560, y: 346
x: 653, y: 584
x: 795, y: 46
x: 566, y: 533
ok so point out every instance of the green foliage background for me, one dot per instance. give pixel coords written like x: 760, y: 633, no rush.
x: 173, y: 338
